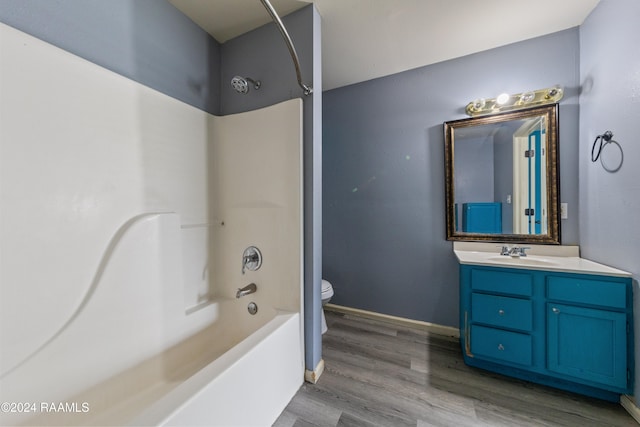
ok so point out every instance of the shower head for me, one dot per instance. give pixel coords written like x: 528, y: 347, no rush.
x: 241, y: 84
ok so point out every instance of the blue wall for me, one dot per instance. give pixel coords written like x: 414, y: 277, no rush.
x: 610, y: 100
x: 384, y: 246
x: 148, y: 41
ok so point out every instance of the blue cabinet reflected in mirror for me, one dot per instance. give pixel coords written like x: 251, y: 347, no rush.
x: 501, y: 175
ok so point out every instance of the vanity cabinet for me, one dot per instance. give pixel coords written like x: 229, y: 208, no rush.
x: 571, y: 331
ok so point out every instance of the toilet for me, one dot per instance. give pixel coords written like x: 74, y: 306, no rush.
x: 327, y: 293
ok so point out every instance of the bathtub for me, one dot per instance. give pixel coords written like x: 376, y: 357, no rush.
x: 249, y: 385
x: 241, y: 371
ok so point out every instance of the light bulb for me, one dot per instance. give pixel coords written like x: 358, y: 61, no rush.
x: 502, y: 98
x: 478, y: 103
x: 527, y: 97
x: 554, y: 93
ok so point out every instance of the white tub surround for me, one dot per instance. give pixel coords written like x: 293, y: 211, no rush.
x: 539, y: 257
x: 125, y: 214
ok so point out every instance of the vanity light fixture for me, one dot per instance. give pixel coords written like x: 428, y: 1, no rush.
x: 506, y: 102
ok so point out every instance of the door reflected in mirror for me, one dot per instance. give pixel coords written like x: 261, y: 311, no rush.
x: 502, y: 177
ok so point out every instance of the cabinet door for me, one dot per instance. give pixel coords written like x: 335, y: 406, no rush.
x: 587, y: 344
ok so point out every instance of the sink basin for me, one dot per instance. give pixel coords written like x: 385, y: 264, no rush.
x: 529, y: 260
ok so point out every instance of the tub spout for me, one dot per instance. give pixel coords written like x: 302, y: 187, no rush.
x: 249, y: 289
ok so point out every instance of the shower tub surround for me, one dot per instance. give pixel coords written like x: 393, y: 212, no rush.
x: 125, y: 214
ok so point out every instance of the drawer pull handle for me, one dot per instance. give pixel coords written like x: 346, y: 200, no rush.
x: 501, y: 312
x: 500, y: 347
x: 555, y: 310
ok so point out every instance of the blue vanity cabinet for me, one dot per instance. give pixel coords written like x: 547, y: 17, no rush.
x: 571, y: 331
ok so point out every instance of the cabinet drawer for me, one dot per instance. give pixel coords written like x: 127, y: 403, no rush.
x: 587, y: 291
x: 507, y: 346
x: 506, y: 312
x: 502, y: 282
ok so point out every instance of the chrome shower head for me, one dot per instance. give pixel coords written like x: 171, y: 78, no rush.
x: 241, y: 84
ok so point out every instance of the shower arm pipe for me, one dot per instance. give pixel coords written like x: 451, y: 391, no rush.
x: 308, y: 90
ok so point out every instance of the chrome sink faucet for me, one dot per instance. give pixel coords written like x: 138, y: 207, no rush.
x: 513, y: 251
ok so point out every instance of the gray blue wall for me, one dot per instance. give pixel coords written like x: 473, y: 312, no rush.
x: 384, y: 246
x: 153, y: 43
x: 148, y: 41
x: 610, y: 100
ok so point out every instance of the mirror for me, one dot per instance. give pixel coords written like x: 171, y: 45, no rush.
x: 501, y: 177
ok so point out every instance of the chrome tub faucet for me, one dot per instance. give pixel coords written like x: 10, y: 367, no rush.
x: 249, y: 289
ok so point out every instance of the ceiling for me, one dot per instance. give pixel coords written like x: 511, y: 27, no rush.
x: 366, y: 39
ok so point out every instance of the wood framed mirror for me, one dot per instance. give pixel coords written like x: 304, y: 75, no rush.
x: 502, y: 177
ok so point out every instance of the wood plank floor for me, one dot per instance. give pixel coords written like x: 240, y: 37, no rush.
x: 381, y: 374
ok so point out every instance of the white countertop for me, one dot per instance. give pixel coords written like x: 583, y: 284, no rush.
x: 539, y: 257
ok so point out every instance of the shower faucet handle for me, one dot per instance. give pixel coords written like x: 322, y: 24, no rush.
x: 251, y: 259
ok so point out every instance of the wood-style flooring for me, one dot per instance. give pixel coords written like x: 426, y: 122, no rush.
x: 382, y: 374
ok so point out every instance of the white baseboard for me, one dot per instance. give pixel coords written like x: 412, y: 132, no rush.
x: 312, y: 376
x: 448, y: 331
x: 628, y: 403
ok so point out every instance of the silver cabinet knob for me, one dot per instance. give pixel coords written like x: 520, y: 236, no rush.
x: 500, y: 347
x: 501, y: 312
x: 555, y: 310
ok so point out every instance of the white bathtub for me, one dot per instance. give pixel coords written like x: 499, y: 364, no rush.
x: 249, y: 385
x: 241, y: 371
